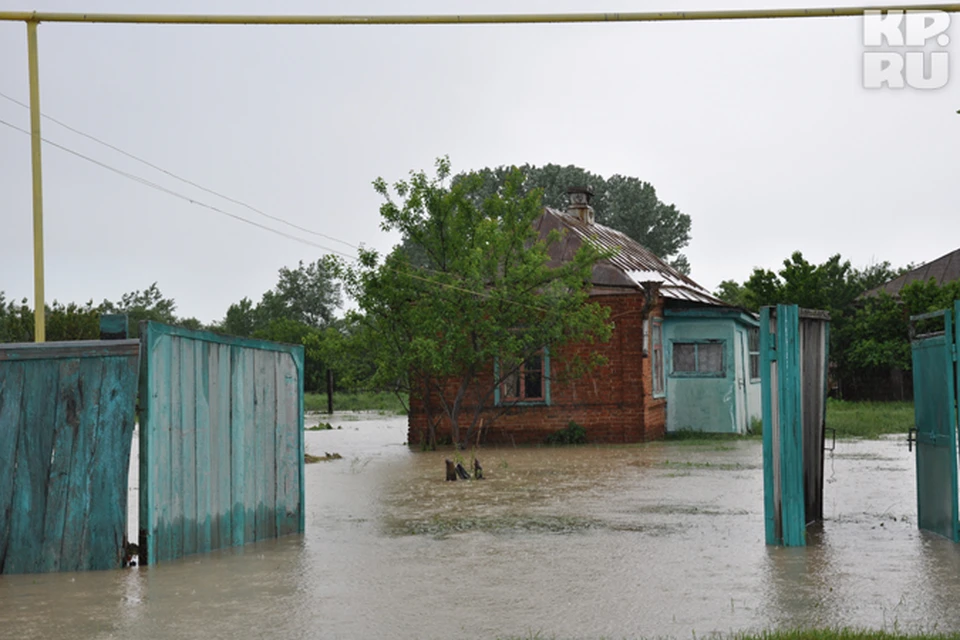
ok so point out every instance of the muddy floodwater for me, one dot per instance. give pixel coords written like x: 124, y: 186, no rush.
x: 662, y: 539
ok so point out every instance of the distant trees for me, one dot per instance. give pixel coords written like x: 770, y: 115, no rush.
x: 300, y: 309
x: 82, y: 321
x: 624, y: 203
x: 868, y: 336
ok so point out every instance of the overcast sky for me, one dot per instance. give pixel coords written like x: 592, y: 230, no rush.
x: 761, y: 131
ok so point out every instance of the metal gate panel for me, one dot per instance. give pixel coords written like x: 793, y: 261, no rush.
x: 67, y: 413
x: 221, y: 448
x: 935, y: 411
x: 793, y: 368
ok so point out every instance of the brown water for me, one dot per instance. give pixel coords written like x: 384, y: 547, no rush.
x: 651, y: 540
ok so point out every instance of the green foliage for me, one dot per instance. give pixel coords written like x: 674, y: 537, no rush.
x: 869, y: 419
x: 82, y: 322
x: 343, y: 350
x: 489, y: 293
x: 308, y: 295
x: 622, y: 202
x: 573, y: 433
x: 298, y: 310
x: 379, y: 401
x: 149, y: 304
x: 732, y: 293
x: 868, y: 336
x: 879, y: 331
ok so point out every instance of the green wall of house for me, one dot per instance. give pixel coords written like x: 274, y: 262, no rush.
x: 718, y: 397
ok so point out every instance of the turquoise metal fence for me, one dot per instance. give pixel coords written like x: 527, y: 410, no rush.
x: 67, y: 413
x: 221, y: 446
x: 793, y: 370
x: 935, y: 374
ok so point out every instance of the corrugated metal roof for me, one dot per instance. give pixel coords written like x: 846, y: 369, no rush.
x: 943, y: 270
x: 632, y: 264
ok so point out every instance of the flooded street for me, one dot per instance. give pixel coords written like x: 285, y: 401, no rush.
x: 647, y: 540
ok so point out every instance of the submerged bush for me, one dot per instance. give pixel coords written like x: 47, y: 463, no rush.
x: 571, y: 434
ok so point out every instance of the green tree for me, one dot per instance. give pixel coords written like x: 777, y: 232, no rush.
x: 63, y: 321
x: 878, y: 339
x: 240, y: 320
x: 624, y: 203
x: 732, y: 292
x: 298, y: 310
x: 308, y: 294
x: 490, y: 295
x: 867, y: 336
x: 149, y: 304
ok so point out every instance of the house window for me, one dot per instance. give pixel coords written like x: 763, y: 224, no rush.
x: 656, y: 360
x: 528, y: 382
x: 698, y: 359
x: 753, y: 346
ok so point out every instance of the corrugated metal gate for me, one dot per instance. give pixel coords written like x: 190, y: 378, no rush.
x: 67, y: 413
x: 221, y: 447
x: 794, y: 345
x: 935, y: 376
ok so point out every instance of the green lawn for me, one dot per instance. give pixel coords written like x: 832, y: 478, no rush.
x: 868, y: 419
x: 850, y: 419
x: 381, y: 401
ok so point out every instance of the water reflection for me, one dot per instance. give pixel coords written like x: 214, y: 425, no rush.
x: 652, y: 540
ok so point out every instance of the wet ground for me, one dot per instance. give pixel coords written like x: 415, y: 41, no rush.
x: 649, y: 540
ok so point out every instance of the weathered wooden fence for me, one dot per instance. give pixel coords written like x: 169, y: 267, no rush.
x: 67, y: 413
x: 221, y: 446
x: 794, y: 346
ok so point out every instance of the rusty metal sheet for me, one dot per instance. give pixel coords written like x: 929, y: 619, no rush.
x: 632, y: 264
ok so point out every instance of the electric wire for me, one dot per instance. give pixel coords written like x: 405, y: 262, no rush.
x: 148, y: 183
x: 177, y: 177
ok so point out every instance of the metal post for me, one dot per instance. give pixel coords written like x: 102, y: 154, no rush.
x: 330, y: 391
x: 39, y: 320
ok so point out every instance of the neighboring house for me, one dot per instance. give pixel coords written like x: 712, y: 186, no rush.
x: 678, y: 359
x: 895, y: 383
x: 943, y: 270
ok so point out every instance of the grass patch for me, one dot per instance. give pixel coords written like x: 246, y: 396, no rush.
x: 869, y: 419
x: 326, y: 457
x: 440, y: 527
x: 720, y: 466
x: 571, y: 434
x: 382, y: 401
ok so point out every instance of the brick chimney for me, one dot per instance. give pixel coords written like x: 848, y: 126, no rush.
x: 580, y: 203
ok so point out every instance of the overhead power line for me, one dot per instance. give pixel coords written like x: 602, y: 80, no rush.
x: 178, y: 177
x: 153, y: 185
x: 159, y: 187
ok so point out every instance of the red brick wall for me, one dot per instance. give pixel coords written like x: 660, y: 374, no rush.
x: 612, y: 402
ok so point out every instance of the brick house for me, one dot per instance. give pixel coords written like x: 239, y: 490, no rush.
x: 626, y: 399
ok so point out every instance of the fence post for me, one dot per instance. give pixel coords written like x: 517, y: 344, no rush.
x: 329, y: 390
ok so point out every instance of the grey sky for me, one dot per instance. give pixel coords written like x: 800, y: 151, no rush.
x: 760, y: 131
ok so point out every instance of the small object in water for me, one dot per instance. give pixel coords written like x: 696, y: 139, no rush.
x: 477, y: 470
x: 462, y: 472
x: 451, y: 471
x: 131, y: 553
